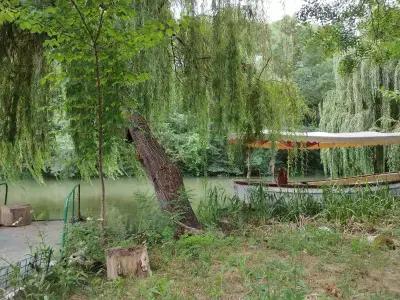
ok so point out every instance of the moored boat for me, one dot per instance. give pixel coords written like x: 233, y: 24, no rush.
x: 321, y: 140
x: 350, y: 185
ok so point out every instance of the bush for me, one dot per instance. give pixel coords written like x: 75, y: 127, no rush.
x: 83, y: 256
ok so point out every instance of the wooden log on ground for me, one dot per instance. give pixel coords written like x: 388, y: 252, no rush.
x: 16, y: 215
x: 132, y: 261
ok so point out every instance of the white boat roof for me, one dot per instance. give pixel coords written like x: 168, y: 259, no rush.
x: 322, y: 140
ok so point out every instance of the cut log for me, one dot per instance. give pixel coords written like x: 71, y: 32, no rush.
x: 132, y: 261
x: 16, y: 215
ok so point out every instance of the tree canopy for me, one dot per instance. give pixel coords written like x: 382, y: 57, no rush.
x: 362, y: 38
x: 214, y: 66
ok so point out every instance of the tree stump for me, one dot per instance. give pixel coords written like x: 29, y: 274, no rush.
x: 16, y: 215
x: 132, y: 261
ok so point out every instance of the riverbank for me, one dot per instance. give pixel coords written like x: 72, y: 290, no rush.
x: 303, y: 260
x: 343, y: 247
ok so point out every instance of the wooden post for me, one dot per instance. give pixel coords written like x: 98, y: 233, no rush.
x: 248, y: 163
x: 272, y: 165
x: 132, y: 261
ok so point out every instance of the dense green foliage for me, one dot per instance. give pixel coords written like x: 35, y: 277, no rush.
x: 361, y: 36
x: 224, y: 70
x: 214, y: 68
x: 360, y: 103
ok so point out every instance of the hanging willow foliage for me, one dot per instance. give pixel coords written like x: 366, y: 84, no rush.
x: 361, y: 102
x: 26, y: 106
x: 225, y: 70
x: 214, y: 62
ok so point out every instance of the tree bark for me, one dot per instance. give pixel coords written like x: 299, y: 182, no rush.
x: 132, y: 261
x: 100, y: 129
x: 164, y: 174
x: 248, y: 163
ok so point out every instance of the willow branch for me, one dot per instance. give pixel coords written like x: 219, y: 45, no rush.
x: 263, y: 69
x: 173, y: 55
x: 179, y: 40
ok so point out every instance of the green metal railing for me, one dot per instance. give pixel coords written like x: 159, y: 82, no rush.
x: 69, y: 204
x: 6, y: 193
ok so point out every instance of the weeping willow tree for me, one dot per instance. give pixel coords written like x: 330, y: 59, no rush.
x: 364, y: 99
x: 130, y: 64
x: 26, y: 106
x: 365, y: 36
x: 219, y: 74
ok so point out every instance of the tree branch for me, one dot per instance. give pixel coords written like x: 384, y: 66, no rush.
x: 89, y: 31
x: 100, y: 25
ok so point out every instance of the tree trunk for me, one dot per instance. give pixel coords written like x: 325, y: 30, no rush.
x: 100, y: 108
x: 164, y: 174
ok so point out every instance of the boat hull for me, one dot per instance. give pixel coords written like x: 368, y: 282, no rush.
x: 244, y: 189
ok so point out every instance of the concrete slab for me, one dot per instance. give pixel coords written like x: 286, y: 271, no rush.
x: 17, y: 242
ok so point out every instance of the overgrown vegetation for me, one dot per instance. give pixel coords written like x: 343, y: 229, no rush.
x: 275, y: 248
x: 75, y: 75
x: 336, y: 206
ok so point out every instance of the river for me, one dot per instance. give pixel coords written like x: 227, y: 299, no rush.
x: 47, y: 199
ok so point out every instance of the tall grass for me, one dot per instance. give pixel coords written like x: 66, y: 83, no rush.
x: 366, y: 205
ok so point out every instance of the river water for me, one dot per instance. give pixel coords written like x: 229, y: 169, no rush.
x: 47, y: 199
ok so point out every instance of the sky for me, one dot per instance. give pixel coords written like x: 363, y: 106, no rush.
x: 277, y: 9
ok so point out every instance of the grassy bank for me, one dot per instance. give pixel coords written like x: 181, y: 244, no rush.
x: 282, y: 261
x: 341, y: 247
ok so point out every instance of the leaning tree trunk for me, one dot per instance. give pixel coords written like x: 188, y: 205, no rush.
x: 165, y: 175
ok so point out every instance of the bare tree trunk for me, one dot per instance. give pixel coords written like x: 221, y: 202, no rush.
x: 164, y: 174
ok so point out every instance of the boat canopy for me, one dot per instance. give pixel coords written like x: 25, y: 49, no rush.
x: 320, y: 140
